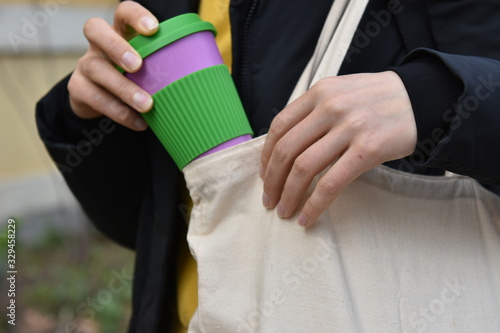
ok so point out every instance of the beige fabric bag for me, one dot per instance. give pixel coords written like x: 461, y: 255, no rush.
x: 394, y: 253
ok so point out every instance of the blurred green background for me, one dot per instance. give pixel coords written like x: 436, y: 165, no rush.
x: 69, y: 283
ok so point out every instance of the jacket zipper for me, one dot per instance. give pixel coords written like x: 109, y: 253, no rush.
x: 245, y: 84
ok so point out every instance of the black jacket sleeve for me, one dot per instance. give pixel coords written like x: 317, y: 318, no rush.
x: 106, y: 166
x: 455, y: 90
x: 102, y: 162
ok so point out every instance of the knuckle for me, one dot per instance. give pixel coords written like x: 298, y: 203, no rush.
x: 127, y: 11
x: 301, y: 167
x: 92, y: 65
x: 321, y: 84
x: 122, y: 88
x: 278, y: 126
x: 274, y: 130
x: 116, y: 44
x: 335, y: 105
x: 121, y: 5
x: 281, y: 152
x: 122, y: 115
x: 98, y: 100
x: 116, y: 105
x: 327, y: 186
x: 322, y: 87
x: 90, y: 25
x: 354, y: 124
x: 125, y: 5
x: 122, y: 9
x: 328, y: 108
x: 80, y: 65
x: 75, y: 88
x: 270, y: 188
x: 311, y: 207
x: 72, y: 84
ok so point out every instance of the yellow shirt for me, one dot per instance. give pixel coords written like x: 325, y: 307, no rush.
x: 217, y: 13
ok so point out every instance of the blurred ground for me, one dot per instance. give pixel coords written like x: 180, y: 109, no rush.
x: 69, y: 283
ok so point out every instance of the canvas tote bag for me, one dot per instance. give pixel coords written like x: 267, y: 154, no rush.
x: 395, y: 252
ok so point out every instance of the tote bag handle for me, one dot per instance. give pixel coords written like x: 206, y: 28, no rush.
x: 333, y: 43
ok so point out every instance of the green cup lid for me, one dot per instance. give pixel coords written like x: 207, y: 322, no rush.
x: 168, y: 32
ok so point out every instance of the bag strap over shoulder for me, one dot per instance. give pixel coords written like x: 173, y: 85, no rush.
x: 333, y: 43
x: 339, y: 29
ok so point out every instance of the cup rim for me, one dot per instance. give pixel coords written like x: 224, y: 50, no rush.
x: 168, y: 32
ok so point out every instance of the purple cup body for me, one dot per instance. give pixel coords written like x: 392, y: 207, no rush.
x: 176, y: 60
x: 227, y: 144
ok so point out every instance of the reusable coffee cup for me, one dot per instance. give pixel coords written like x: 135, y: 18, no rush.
x: 197, y: 110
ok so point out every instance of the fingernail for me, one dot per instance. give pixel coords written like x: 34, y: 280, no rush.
x: 302, y: 220
x: 281, y: 210
x: 149, y: 23
x: 265, y: 201
x: 142, y: 100
x: 131, y: 60
x: 140, y: 124
x: 261, y: 172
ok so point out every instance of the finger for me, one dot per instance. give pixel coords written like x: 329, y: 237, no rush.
x: 295, y: 112
x: 284, y: 153
x: 78, y: 106
x: 104, y: 74
x: 309, y: 164
x: 341, y: 174
x: 132, y: 18
x: 282, y: 123
x: 99, y: 100
x: 105, y: 39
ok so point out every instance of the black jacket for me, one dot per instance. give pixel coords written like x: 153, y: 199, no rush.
x: 128, y: 185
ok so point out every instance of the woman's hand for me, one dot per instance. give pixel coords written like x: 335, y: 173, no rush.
x: 96, y: 87
x: 356, y: 122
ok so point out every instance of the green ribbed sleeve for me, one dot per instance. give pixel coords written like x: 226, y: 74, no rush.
x: 197, y: 113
